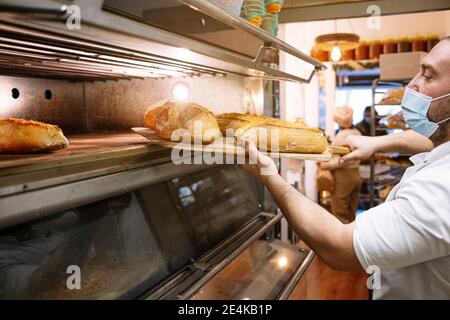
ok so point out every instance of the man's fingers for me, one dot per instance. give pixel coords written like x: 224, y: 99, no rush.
x: 253, y: 153
x: 349, y: 157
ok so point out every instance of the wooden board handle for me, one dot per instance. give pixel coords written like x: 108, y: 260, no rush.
x: 340, y: 150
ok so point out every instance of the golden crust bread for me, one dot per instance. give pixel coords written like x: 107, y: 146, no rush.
x: 259, y: 119
x: 283, y: 139
x: 273, y: 134
x: 394, y: 96
x: 153, y: 111
x: 178, y: 121
x: 18, y: 136
x: 150, y: 116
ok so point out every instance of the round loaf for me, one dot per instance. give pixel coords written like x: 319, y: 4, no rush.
x: 178, y: 121
x: 153, y: 111
x: 18, y: 136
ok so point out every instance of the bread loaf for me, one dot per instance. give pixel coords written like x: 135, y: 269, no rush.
x: 153, y: 111
x: 273, y: 134
x: 19, y: 136
x: 393, y: 97
x: 178, y: 121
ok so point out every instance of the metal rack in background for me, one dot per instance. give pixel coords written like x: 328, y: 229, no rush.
x: 373, y: 185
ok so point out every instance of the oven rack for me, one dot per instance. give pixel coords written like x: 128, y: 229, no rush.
x: 49, y: 17
x: 28, y: 52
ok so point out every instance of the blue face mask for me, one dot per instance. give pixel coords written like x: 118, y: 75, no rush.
x: 415, y: 108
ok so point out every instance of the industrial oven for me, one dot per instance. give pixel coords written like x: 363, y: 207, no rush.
x: 111, y: 216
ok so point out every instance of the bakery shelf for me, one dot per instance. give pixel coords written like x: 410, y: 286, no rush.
x: 392, y: 169
x: 388, y: 129
x: 374, y: 184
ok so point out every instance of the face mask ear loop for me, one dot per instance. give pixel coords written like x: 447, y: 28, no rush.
x: 443, y: 121
x: 441, y: 97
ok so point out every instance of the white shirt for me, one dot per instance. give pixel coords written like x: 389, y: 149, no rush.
x: 408, y: 236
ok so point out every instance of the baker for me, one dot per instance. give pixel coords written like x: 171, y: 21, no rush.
x: 405, y: 240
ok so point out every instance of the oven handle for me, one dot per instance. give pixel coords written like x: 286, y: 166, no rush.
x: 220, y: 266
x: 290, y: 286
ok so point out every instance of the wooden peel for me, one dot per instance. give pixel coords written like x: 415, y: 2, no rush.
x: 221, y: 146
x: 340, y: 150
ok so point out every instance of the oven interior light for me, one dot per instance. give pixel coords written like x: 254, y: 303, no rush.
x: 282, y: 262
x: 180, y: 91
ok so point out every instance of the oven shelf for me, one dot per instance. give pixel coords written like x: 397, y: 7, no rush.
x: 83, y: 148
x: 88, y: 156
x: 96, y: 166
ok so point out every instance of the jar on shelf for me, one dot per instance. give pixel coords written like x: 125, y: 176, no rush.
x: 404, y: 45
x: 274, y: 6
x: 419, y: 44
x: 232, y: 6
x: 319, y: 55
x: 362, y: 51
x: 348, y: 55
x: 389, y: 46
x: 254, y: 11
x: 375, y: 49
x: 270, y: 24
x: 431, y: 41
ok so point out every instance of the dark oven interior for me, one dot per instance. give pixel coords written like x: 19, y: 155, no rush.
x: 127, y: 244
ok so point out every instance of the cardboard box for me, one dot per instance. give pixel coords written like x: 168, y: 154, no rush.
x: 400, y: 66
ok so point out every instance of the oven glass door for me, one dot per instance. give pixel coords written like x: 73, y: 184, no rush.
x: 259, y: 273
x: 123, y: 246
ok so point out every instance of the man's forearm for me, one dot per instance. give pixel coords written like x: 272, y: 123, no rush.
x: 320, y: 230
x: 407, y: 142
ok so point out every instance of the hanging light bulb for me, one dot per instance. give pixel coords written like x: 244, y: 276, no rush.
x: 336, y: 54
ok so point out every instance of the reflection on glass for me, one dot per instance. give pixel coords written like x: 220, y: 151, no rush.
x: 282, y: 262
x: 259, y: 273
x: 125, y: 245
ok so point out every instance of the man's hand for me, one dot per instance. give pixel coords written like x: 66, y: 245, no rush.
x: 258, y: 164
x: 362, y: 148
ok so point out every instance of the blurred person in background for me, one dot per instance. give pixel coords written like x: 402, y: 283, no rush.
x: 364, y: 125
x: 347, y: 182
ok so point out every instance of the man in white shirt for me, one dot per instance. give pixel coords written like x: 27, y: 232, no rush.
x: 406, y: 240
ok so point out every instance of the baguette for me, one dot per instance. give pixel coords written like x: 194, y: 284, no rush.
x: 18, y: 136
x: 273, y: 134
x: 255, y: 120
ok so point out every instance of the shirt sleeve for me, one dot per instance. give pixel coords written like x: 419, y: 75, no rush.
x: 413, y: 228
